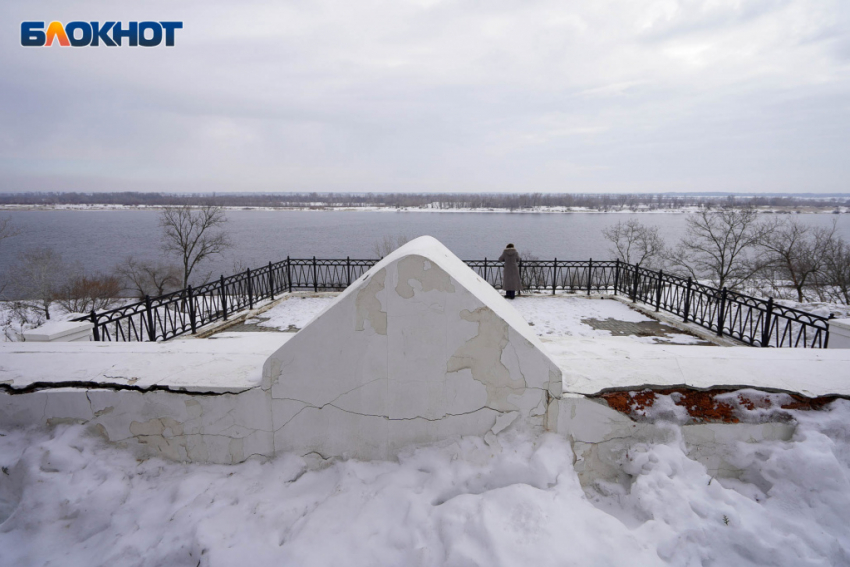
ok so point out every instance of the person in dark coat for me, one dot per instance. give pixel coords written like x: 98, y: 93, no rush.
x: 510, y: 276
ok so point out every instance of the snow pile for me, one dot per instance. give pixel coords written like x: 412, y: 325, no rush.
x: 664, y: 408
x: 70, y: 500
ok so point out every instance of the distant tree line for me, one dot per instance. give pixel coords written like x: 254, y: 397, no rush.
x: 441, y: 201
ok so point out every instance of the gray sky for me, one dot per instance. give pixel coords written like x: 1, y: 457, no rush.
x: 430, y: 95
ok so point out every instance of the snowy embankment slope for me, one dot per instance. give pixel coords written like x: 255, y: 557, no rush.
x: 66, y: 498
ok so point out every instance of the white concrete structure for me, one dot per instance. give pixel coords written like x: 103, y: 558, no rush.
x: 61, y: 331
x: 839, y: 333
x: 592, y: 365
x: 417, y: 349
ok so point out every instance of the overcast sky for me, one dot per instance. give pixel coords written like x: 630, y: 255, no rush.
x: 430, y: 95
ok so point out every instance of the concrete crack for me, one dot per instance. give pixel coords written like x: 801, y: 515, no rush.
x: 89, y: 385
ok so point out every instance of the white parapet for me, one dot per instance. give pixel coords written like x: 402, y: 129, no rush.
x: 418, y: 349
x: 61, y: 331
x: 839, y: 333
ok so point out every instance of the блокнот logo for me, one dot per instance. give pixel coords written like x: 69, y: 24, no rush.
x: 94, y: 34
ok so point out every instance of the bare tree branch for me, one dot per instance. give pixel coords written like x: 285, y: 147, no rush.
x: 794, y: 253
x: 193, y: 234
x: 635, y: 243
x: 716, y: 246
x: 387, y: 244
x: 835, y: 272
x: 38, y: 276
x: 148, y: 278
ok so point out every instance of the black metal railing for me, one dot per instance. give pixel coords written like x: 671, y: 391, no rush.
x: 753, y: 321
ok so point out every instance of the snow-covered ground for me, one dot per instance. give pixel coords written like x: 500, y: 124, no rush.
x: 558, y: 316
x: 13, y: 325
x: 294, y: 312
x: 68, y: 499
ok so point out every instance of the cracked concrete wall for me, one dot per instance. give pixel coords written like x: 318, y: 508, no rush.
x: 213, y: 428
x: 418, y: 350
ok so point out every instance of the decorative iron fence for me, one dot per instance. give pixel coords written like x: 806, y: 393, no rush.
x: 753, y: 321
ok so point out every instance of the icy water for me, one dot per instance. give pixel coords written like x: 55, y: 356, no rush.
x: 101, y: 239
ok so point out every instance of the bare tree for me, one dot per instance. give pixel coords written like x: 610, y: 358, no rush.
x: 532, y: 275
x: 38, y: 275
x: 387, y: 244
x: 794, y: 253
x: 7, y: 229
x: 17, y: 318
x: 193, y: 234
x: 148, y: 278
x: 835, y: 272
x: 635, y: 243
x: 717, y: 246
x: 81, y: 293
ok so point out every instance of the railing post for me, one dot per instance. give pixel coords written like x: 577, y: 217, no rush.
x: 348, y: 271
x: 271, y: 281
x: 826, y: 332
x: 95, y: 331
x: 149, y: 312
x: 635, y: 283
x: 658, y: 291
x: 288, y: 274
x: 192, y: 321
x: 688, y: 300
x: 315, y: 276
x: 721, y: 313
x: 250, y: 290
x: 520, y: 274
x: 589, y: 275
x: 765, y: 329
x: 223, y: 299
x: 485, y: 270
x: 554, y: 275
x: 616, y: 275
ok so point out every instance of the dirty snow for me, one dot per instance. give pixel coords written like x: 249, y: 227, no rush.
x: 68, y: 499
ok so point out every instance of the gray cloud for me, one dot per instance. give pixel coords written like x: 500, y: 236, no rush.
x: 665, y: 95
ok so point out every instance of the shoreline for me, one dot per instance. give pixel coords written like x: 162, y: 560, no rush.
x: 537, y: 210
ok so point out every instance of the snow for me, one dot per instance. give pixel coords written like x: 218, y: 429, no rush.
x: 294, y: 312
x: 561, y: 316
x: 549, y: 316
x: 590, y: 365
x: 72, y: 500
x: 12, y: 327
x: 226, y: 362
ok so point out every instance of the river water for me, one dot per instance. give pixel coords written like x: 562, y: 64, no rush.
x: 101, y: 239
